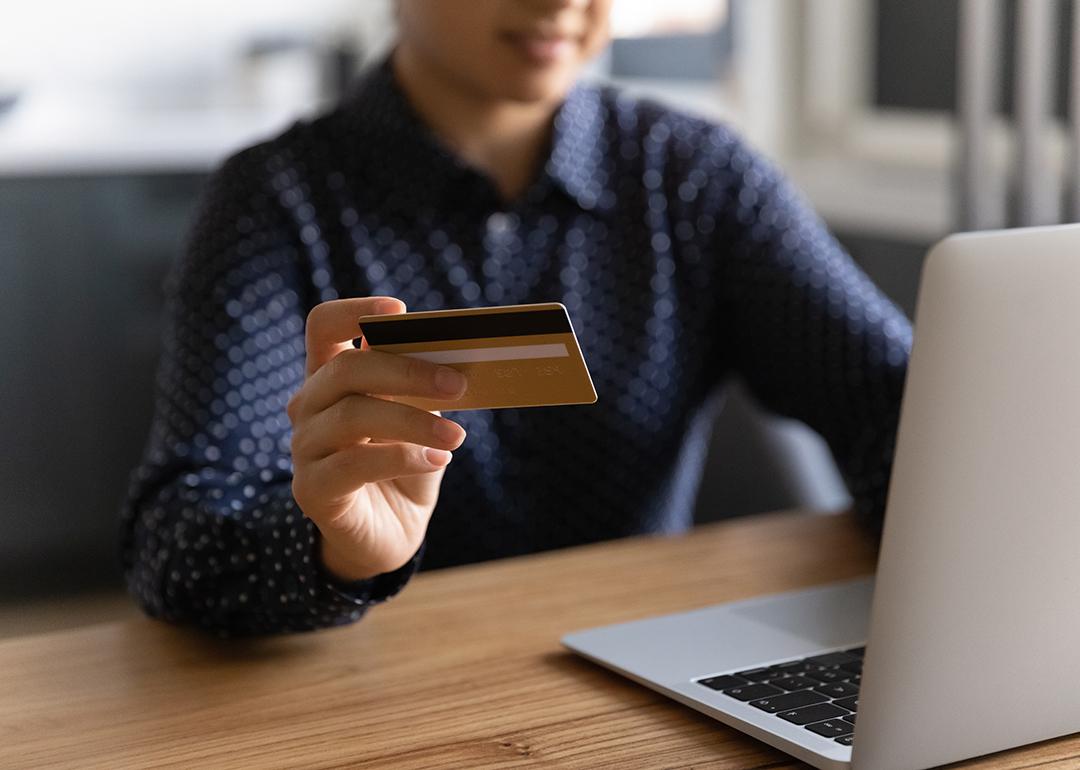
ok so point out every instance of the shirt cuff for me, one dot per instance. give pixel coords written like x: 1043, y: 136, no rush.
x: 376, y: 589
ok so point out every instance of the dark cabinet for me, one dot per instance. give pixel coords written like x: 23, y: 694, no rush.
x: 81, y: 266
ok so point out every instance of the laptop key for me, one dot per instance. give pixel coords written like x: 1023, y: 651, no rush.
x: 837, y: 689
x: 857, y: 651
x: 827, y: 675
x: 854, y: 667
x: 851, y: 704
x: 849, y: 718
x: 794, y: 683
x: 815, y: 713
x: 855, y: 679
x: 831, y: 659
x: 832, y: 728
x: 791, y: 700
x: 722, y: 682
x: 847, y: 740
x: 758, y: 674
x: 788, y: 668
x: 753, y: 691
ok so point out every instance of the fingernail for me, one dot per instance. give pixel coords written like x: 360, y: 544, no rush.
x: 448, y: 431
x: 437, y: 457
x: 449, y: 381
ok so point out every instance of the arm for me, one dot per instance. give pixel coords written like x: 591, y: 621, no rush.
x: 212, y: 535
x: 811, y: 334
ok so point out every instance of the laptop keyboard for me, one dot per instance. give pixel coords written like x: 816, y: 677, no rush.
x: 820, y: 692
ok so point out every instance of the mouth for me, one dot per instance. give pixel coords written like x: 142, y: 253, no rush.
x: 542, y: 47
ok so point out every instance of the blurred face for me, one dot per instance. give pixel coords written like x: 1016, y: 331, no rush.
x: 520, y: 50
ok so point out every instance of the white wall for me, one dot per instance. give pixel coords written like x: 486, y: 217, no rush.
x: 182, y: 44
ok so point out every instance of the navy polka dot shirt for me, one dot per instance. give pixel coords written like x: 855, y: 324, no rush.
x: 683, y: 257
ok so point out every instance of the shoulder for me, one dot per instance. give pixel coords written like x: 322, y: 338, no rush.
x: 246, y: 201
x: 253, y: 190
x: 677, y: 143
x: 276, y: 160
x: 662, y: 126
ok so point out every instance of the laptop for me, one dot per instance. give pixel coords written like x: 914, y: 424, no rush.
x: 967, y: 641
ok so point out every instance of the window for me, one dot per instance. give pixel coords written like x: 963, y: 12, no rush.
x: 679, y: 40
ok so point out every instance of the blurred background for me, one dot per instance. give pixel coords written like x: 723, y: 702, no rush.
x: 898, y: 119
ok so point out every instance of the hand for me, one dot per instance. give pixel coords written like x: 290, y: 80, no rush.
x: 366, y: 470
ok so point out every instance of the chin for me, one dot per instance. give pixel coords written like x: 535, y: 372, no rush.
x: 537, y: 86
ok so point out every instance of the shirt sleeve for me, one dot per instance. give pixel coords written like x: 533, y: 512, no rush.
x: 811, y: 334
x: 211, y: 535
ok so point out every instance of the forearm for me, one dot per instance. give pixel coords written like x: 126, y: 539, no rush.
x: 196, y: 559
x: 808, y: 330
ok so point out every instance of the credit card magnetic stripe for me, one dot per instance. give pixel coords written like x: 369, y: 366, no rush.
x: 463, y: 327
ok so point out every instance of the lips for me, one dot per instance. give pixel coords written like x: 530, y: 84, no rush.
x: 541, y: 48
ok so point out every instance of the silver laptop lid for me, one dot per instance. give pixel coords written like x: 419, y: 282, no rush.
x: 975, y: 628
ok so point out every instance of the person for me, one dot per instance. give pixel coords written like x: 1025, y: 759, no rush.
x: 282, y: 489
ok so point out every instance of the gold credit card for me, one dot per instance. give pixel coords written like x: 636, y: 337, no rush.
x: 516, y: 355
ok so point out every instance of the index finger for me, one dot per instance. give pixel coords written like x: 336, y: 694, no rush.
x: 332, y: 326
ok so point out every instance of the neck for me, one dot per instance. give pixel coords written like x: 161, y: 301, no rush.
x: 505, y: 140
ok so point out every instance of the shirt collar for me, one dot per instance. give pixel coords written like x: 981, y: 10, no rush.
x: 398, y: 148
x: 580, y: 160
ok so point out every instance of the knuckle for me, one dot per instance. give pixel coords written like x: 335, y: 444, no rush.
x: 299, y: 445
x: 342, y: 365
x: 415, y: 370
x: 411, y: 370
x: 342, y: 462
x: 354, y: 463
x: 299, y: 490
x: 292, y: 409
x: 351, y: 411
x: 312, y: 324
x: 409, y: 456
x: 316, y: 314
x: 305, y: 491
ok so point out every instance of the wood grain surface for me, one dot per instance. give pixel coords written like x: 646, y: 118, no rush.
x: 462, y: 670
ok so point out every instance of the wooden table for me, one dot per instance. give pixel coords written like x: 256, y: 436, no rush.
x: 462, y: 670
